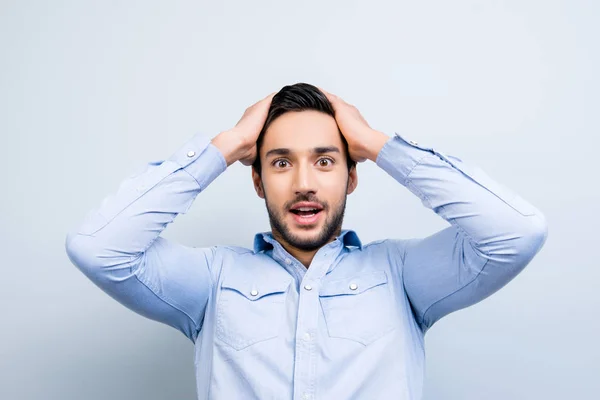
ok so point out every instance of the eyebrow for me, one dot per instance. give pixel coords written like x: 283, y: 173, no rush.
x: 316, y: 150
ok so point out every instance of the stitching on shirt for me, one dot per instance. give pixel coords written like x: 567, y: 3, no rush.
x: 196, y: 330
x: 214, y: 155
x: 452, y: 222
x: 198, y: 326
x: 193, y: 177
x: 417, y: 164
x: 213, y: 250
x: 108, y: 221
x: 456, y: 291
x: 402, y: 258
x: 470, y: 239
x: 411, y: 306
x: 150, y: 287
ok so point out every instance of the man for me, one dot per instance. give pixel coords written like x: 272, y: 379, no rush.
x: 310, y: 312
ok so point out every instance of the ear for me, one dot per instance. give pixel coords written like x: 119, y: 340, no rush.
x: 352, y: 179
x: 258, y: 186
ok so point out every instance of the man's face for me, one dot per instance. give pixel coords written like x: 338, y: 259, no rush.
x: 305, y: 178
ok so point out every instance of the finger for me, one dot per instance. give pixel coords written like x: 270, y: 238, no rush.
x: 266, y: 100
x: 330, y: 96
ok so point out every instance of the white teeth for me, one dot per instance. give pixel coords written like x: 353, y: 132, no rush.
x: 306, y: 209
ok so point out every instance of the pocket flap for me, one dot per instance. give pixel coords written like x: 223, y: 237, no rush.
x: 353, y: 285
x: 252, y: 288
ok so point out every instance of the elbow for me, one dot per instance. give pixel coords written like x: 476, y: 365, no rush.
x: 101, y: 264
x: 519, y: 244
x: 80, y: 253
x: 538, y: 232
x: 533, y: 237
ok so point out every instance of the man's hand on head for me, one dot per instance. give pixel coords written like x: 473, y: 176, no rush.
x: 364, y: 142
x: 239, y: 143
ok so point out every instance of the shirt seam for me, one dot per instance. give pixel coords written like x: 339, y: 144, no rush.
x: 454, y: 292
x: 193, y: 177
x: 419, y: 161
x: 453, y: 222
x: 471, y: 241
x: 131, y: 202
x: 164, y: 299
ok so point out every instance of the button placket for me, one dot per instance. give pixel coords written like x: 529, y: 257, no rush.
x: 305, y: 359
x: 306, y: 330
x: 292, y: 266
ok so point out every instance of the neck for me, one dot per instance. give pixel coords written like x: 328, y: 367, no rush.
x: 304, y: 256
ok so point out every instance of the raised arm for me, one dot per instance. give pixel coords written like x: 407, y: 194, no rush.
x: 494, y: 233
x: 118, y: 245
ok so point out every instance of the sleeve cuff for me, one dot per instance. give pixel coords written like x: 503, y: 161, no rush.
x: 399, y: 156
x: 201, y: 159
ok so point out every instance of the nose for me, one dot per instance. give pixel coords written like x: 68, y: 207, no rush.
x: 304, y: 180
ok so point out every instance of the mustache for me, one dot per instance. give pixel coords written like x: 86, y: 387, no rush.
x: 311, y: 199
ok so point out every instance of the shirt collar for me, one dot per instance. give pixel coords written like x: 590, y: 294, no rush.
x: 266, y: 241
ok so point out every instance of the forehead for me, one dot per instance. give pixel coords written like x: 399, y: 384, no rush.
x: 302, y: 130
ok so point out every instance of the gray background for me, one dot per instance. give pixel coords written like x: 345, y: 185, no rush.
x: 91, y: 90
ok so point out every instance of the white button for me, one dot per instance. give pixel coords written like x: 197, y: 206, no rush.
x: 307, y: 287
x: 254, y: 292
x: 306, y: 396
x: 306, y: 336
x: 288, y: 261
x: 353, y: 286
x: 191, y: 153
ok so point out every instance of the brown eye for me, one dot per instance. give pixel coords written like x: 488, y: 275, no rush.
x: 325, y: 162
x: 280, y: 163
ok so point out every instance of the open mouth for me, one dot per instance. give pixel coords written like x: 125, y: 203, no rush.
x: 306, y: 212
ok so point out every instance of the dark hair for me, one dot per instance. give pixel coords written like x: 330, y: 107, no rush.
x: 297, y: 97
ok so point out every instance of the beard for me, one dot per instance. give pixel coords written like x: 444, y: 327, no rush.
x: 332, y: 224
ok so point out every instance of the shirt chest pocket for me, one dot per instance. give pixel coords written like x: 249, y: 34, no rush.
x: 249, y: 310
x: 358, y: 308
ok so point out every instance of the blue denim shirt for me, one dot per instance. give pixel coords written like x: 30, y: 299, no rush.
x: 352, y: 325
